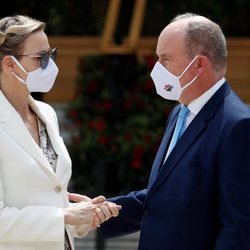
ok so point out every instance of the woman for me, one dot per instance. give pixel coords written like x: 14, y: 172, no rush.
x: 35, y: 167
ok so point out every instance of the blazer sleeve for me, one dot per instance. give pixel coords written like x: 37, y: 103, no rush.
x: 234, y: 188
x: 82, y: 230
x: 32, y: 223
x: 129, y: 219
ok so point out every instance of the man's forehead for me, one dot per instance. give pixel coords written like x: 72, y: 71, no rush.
x: 169, y: 40
x: 176, y: 28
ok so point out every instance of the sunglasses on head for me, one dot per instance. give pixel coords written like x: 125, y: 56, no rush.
x: 44, y: 57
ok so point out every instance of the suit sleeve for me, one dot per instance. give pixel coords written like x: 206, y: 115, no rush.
x: 234, y: 189
x: 129, y: 219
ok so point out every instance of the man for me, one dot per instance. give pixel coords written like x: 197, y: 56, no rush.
x: 198, y: 195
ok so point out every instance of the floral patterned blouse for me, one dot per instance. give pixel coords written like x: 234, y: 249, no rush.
x: 51, y: 155
x: 46, y: 146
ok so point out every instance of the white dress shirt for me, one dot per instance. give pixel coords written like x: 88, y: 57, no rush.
x: 196, y: 105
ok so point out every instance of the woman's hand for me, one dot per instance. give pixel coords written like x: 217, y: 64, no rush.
x: 104, y: 210
x: 79, y: 213
x: 79, y: 198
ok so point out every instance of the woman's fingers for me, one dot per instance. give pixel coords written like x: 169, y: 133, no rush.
x: 78, y: 197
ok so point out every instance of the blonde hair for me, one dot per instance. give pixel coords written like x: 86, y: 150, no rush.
x: 13, y: 32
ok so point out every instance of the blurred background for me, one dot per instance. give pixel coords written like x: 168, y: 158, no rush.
x: 110, y: 117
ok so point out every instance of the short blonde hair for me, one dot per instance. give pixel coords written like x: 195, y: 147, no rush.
x: 13, y: 32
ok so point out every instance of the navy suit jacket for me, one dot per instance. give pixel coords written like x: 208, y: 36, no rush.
x: 200, y: 198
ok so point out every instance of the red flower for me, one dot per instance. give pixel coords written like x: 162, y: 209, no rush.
x: 98, y: 105
x: 98, y: 125
x: 127, y: 104
x: 139, y: 102
x: 104, y: 105
x: 93, y: 86
x: 77, y: 140
x: 78, y: 123
x: 147, y: 138
x: 73, y: 114
x: 103, y: 140
x: 107, y: 105
x: 150, y: 61
x: 128, y: 137
x: 137, y: 157
x: 148, y: 86
x: 166, y: 111
x: 154, y: 149
x: 136, y: 164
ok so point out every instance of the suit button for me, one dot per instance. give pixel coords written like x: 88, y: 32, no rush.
x: 146, y: 213
x: 58, y: 189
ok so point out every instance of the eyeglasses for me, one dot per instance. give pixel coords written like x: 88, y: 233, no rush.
x: 44, y: 57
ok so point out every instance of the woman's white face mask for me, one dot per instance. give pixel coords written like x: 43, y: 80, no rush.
x: 39, y: 80
x: 167, y: 84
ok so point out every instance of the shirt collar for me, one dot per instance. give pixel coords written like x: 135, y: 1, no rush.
x: 196, y: 105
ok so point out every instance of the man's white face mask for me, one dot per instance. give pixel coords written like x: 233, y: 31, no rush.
x: 167, y: 84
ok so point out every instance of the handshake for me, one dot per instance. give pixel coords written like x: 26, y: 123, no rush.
x: 89, y: 211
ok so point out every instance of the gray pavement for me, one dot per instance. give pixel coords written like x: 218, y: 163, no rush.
x: 129, y: 242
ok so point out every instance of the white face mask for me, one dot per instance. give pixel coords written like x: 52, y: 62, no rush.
x: 39, y: 80
x: 167, y: 84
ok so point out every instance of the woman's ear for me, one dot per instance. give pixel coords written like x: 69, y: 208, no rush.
x: 8, y: 63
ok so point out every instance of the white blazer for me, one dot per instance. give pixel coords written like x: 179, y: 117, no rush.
x: 31, y: 193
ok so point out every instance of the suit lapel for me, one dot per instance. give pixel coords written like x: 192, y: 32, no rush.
x: 53, y: 134
x: 56, y: 142
x: 160, y: 156
x: 194, y: 130
x: 14, y: 126
x: 177, y: 153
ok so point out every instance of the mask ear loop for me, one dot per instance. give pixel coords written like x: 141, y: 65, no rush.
x: 185, y: 70
x: 188, y: 84
x: 189, y: 65
x: 21, y: 67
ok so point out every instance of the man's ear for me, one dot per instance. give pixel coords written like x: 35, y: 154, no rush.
x: 8, y: 63
x: 201, y: 65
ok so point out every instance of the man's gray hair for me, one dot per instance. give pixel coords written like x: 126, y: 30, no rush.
x: 204, y: 38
